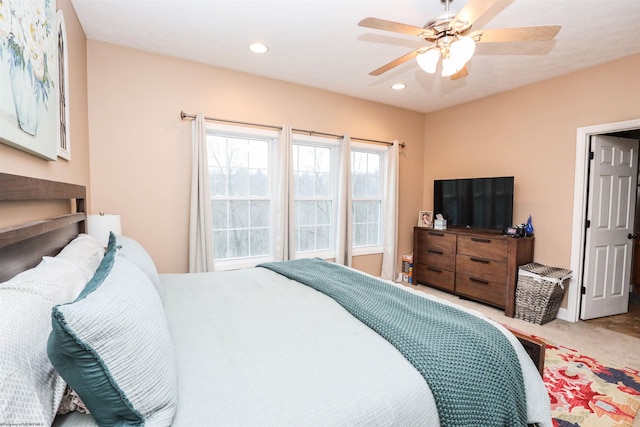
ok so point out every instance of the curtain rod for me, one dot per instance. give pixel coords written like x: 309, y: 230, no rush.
x: 184, y: 115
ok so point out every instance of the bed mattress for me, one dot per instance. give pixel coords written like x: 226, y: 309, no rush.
x: 254, y: 348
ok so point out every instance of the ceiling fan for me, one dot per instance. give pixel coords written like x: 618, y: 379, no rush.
x: 452, y: 38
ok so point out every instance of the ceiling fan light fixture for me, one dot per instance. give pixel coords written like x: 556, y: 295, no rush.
x: 429, y: 60
x: 462, y: 49
x: 459, y: 53
x: 449, y: 67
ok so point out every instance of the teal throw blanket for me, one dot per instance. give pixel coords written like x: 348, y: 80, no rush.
x: 470, y: 366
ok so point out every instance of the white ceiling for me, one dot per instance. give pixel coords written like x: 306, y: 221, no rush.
x: 318, y: 42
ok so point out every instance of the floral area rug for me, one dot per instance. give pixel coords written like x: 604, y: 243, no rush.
x: 587, y: 393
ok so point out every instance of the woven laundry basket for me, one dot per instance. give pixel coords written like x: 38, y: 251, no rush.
x: 539, y: 292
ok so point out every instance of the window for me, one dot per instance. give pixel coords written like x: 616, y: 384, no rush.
x: 367, y: 198
x: 242, y: 181
x: 314, y: 176
x: 240, y: 186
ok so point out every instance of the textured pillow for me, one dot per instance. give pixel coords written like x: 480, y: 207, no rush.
x: 84, y: 251
x: 31, y: 389
x: 112, y: 346
x: 134, y: 252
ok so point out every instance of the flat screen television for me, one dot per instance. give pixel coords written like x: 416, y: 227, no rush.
x: 475, y: 202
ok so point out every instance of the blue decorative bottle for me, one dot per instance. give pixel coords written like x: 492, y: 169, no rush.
x: 528, y: 228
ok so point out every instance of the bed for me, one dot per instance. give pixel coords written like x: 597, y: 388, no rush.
x: 248, y: 347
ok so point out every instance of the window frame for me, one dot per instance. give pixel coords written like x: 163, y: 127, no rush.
x: 272, y: 136
x: 334, y: 145
x: 383, y: 152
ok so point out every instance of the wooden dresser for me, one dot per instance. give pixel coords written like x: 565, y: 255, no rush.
x: 479, y: 265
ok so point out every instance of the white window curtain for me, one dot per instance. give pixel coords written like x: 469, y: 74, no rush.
x: 390, y: 216
x: 344, y: 226
x: 200, y: 222
x: 285, y: 218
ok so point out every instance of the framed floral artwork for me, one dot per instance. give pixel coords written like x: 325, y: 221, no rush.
x: 425, y: 219
x: 29, y: 109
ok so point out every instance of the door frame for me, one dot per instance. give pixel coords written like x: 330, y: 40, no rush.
x: 578, y: 235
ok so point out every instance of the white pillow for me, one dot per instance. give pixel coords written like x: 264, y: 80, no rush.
x: 31, y: 389
x: 86, y: 252
x: 134, y: 252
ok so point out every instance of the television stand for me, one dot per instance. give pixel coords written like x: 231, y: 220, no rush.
x: 481, y: 265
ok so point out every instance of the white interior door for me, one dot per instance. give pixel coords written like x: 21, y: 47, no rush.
x: 611, y: 212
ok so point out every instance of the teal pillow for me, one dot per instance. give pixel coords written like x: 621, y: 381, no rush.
x: 112, y: 346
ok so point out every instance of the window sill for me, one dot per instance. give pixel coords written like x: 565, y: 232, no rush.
x: 366, y: 250
x: 236, y: 264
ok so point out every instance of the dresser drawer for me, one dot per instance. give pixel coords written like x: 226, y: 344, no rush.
x: 436, y: 277
x: 475, y: 264
x: 483, y: 290
x: 436, y: 258
x: 482, y: 268
x: 432, y: 239
x: 481, y: 247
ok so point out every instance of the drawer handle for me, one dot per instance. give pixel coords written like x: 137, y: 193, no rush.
x: 477, y: 239
x: 482, y: 282
x: 433, y: 251
x: 480, y: 260
x: 432, y: 233
x: 437, y: 270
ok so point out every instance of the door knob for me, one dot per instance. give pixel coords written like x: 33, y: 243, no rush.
x: 632, y: 236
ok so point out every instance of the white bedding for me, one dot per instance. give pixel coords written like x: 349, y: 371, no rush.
x: 255, y: 349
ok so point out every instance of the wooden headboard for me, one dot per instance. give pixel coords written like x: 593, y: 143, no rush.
x: 23, y: 246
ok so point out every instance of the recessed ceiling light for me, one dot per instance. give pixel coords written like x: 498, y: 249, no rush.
x: 258, y: 48
x: 398, y: 86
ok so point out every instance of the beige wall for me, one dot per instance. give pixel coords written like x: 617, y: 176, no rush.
x: 140, y: 149
x: 77, y: 170
x: 530, y: 133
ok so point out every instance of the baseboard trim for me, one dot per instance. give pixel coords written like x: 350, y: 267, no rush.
x: 563, y: 314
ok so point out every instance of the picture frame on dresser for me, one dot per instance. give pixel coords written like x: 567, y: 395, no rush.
x: 425, y: 219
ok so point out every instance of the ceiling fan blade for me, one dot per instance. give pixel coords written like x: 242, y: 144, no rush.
x: 522, y: 34
x: 473, y: 10
x: 396, y: 62
x: 396, y: 27
x: 515, y: 48
x: 464, y: 72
